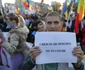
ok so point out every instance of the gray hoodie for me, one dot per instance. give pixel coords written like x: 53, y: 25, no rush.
x: 28, y: 64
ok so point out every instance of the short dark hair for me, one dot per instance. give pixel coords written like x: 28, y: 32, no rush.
x: 34, y: 17
x: 54, y: 14
x: 13, y: 17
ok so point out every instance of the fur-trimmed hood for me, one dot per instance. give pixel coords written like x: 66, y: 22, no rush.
x: 20, y: 30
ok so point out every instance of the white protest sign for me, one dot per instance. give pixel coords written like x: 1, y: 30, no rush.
x: 29, y: 45
x: 56, y: 47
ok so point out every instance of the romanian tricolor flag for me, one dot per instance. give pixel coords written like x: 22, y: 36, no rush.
x: 31, y: 7
x: 26, y: 3
x: 23, y: 1
x: 64, y: 10
x: 79, y: 15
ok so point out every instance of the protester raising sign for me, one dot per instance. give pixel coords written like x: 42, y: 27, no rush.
x: 56, y: 47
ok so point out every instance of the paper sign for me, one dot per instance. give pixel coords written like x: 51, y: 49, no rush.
x: 29, y: 45
x: 56, y: 47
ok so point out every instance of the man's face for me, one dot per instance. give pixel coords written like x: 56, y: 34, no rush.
x: 53, y: 23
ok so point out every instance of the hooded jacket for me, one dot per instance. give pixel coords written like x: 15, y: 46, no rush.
x: 17, y: 41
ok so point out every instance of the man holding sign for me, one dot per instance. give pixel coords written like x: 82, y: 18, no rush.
x: 54, y: 23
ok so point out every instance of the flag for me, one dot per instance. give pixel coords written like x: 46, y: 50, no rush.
x: 23, y: 1
x: 64, y: 8
x: 2, y: 10
x: 25, y: 4
x: 79, y: 15
x: 66, y: 15
x: 28, y: 3
x: 31, y: 7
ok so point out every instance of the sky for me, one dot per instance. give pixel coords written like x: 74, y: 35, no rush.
x: 8, y: 1
x: 45, y: 1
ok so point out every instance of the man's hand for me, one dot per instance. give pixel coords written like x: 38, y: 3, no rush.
x: 34, y: 52
x: 79, y: 54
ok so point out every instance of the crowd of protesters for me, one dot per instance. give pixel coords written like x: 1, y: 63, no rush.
x: 22, y: 29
